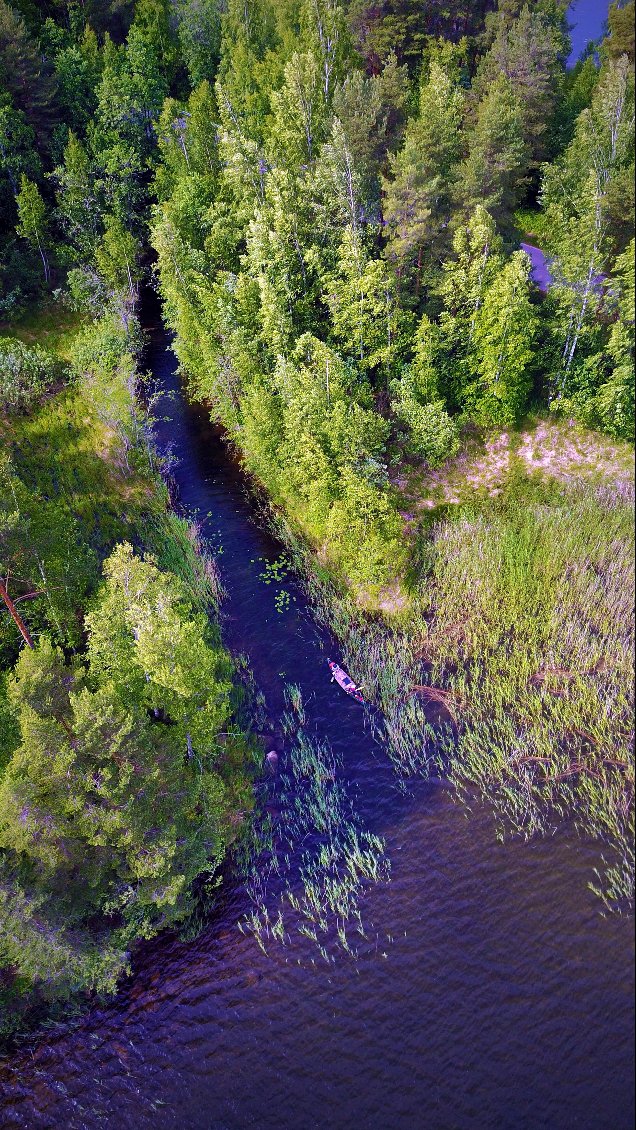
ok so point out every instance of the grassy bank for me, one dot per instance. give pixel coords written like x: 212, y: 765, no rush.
x: 50, y: 325
x: 133, y: 782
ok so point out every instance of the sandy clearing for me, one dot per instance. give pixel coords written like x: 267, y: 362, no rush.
x: 552, y: 450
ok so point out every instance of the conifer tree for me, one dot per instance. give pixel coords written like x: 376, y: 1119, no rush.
x: 494, y: 172
x: 417, y: 197
x: 24, y: 75
x: 529, y: 51
x: 17, y: 150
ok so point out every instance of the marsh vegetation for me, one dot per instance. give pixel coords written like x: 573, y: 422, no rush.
x: 307, y: 869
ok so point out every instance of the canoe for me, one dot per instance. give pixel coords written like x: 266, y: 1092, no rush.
x: 343, y: 680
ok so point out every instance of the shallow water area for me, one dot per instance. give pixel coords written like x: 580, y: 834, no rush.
x: 488, y: 991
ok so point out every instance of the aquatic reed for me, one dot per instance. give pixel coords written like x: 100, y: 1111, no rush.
x: 512, y: 674
x: 318, y: 852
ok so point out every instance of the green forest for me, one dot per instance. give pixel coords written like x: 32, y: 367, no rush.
x: 330, y: 199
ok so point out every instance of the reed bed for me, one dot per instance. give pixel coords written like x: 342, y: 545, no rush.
x: 307, y: 873
x: 513, y: 675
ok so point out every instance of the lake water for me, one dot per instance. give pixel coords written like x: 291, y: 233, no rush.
x: 587, y: 19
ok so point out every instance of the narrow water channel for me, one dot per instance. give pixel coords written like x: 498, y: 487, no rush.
x: 490, y: 991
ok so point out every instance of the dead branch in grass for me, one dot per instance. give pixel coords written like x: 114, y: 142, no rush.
x: 451, y: 701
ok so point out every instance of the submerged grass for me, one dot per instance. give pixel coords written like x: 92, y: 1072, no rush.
x: 320, y: 855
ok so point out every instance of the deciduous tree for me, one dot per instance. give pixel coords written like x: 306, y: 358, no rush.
x: 32, y: 224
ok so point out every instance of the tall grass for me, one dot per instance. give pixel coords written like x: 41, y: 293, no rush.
x: 529, y: 623
x: 513, y: 674
x: 50, y: 325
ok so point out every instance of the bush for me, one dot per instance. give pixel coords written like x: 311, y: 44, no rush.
x: 25, y: 374
x: 433, y: 435
x: 101, y: 346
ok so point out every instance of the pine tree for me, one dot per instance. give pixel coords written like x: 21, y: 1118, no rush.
x: 146, y: 639
x: 115, y: 797
x: 494, y: 172
x: 620, y: 40
x: 24, y: 75
x: 417, y: 198
x: 530, y: 52
x: 17, y: 150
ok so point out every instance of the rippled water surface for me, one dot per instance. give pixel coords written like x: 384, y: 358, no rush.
x: 489, y: 990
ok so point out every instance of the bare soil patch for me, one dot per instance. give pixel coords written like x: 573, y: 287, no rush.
x: 550, y: 450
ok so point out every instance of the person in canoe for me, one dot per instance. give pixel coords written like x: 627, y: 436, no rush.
x: 343, y: 680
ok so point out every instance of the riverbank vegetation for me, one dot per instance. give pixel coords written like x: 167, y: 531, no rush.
x: 339, y: 261
x: 334, y: 195
x: 124, y: 774
x: 115, y: 791
x: 510, y: 672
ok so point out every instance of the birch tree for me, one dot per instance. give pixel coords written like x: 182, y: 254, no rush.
x: 577, y: 197
x: 504, y: 346
x: 31, y: 223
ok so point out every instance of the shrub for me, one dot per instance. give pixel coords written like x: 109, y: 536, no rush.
x: 102, y: 345
x: 25, y: 374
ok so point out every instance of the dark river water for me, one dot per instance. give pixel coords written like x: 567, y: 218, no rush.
x: 489, y: 990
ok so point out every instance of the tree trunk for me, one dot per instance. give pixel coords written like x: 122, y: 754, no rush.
x: 43, y: 257
x: 16, y: 617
